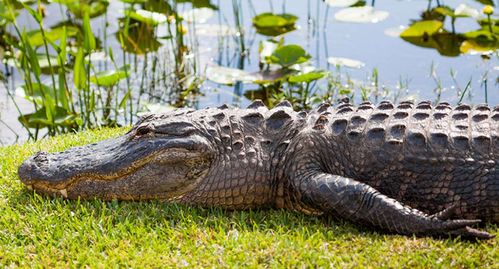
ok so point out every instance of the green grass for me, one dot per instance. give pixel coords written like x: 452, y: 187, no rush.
x: 38, y: 231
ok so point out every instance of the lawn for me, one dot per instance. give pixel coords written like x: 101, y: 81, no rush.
x: 37, y: 231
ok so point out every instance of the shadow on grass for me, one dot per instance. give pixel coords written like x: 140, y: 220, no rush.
x: 158, y: 214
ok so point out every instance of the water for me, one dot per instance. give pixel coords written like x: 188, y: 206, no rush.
x: 404, y: 71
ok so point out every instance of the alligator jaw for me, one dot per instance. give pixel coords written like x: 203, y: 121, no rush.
x: 119, y: 168
x: 54, y: 172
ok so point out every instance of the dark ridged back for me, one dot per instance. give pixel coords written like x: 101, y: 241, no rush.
x: 421, y: 127
x: 428, y: 156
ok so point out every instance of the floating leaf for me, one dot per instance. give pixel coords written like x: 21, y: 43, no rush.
x: 270, y: 24
x: 445, y: 10
x: 214, y: 30
x: 482, y: 35
x: 464, y: 10
x: 138, y: 38
x: 486, y: 2
x: 365, y: 14
x: 307, y: 77
x: 445, y: 43
x: 155, y: 108
x: 395, y: 31
x: 80, y: 8
x: 346, y: 62
x: 36, y: 37
x: 198, y: 15
x: 422, y: 28
x: 199, y: 3
x: 473, y: 47
x: 98, y: 56
x: 39, y: 119
x: 479, y: 41
x: 274, y: 20
x: 289, y: 55
x: 271, y: 76
x: 109, y: 78
x: 37, y: 93
x: 43, y: 63
x: 147, y: 17
x: 227, y: 75
x: 265, y: 49
x: 134, y: 1
x: 341, y: 3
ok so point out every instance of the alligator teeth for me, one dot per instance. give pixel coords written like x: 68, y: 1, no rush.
x: 64, y: 193
x: 29, y: 187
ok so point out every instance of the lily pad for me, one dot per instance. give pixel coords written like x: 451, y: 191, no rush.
x: 274, y: 20
x: 340, y: 3
x: 227, y: 75
x: 265, y: 50
x: 365, y: 14
x: 307, y: 77
x: 134, y: 1
x: 473, y: 47
x: 146, y: 16
x: 487, y: 2
x: 199, y: 3
x: 36, y: 37
x: 37, y: 93
x: 270, y: 24
x: 39, y: 119
x: 271, y: 76
x: 139, y: 39
x: 445, y: 43
x: 43, y: 62
x: 345, y: 62
x: 422, y: 28
x: 109, y: 78
x: 198, y: 15
x: 480, y: 41
x: 149, y: 108
x: 98, y: 56
x: 80, y: 8
x: 214, y: 30
x: 289, y: 55
x: 394, y: 31
x: 462, y: 10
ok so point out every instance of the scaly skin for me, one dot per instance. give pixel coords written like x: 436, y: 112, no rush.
x: 408, y: 169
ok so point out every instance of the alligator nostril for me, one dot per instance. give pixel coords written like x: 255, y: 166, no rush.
x: 40, y: 156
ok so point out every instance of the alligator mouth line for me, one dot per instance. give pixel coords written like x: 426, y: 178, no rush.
x: 44, y: 186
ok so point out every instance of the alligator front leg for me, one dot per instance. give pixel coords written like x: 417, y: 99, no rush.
x: 358, y: 202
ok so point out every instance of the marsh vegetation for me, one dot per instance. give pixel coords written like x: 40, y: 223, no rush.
x: 75, y: 65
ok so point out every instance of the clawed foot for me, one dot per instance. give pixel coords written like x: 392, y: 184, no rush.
x: 458, y: 227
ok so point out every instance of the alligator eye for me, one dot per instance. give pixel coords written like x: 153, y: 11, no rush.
x: 143, y: 130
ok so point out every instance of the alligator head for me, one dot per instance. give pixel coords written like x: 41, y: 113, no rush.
x: 161, y: 157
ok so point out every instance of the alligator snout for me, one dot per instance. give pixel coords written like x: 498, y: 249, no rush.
x: 34, y: 168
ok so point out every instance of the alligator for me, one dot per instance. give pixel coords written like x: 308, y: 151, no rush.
x: 418, y: 169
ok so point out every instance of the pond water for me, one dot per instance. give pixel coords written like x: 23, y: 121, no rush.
x: 182, y: 67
